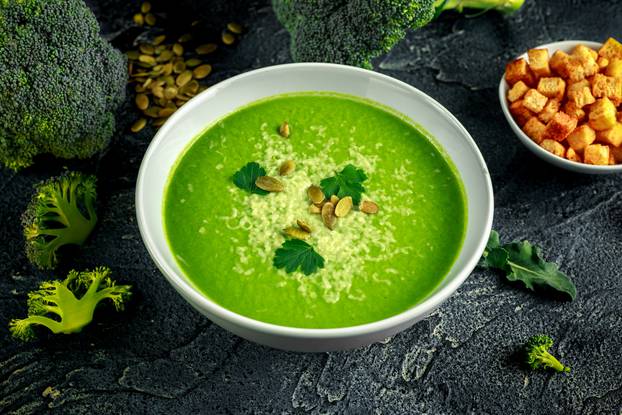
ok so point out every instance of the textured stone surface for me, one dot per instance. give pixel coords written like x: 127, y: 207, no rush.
x: 160, y: 356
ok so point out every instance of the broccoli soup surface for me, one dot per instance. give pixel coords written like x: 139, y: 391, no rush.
x: 375, y: 265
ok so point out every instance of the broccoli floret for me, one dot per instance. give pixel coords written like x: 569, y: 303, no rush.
x: 61, y: 212
x: 537, y: 354
x: 67, y: 306
x: 353, y: 32
x: 60, y: 81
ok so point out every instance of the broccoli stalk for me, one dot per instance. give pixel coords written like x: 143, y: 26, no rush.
x: 67, y: 306
x: 538, y: 356
x: 507, y: 6
x: 61, y: 212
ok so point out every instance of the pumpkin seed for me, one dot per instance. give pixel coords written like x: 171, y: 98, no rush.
x: 284, y: 129
x: 235, y: 28
x: 179, y: 67
x: 147, y: 59
x: 139, y: 125
x: 139, y: 88
x: 158, y: 91
x: 315, y: 194
x: 167, y: 69
x: 165, y: 56
x: 170, y: 92
x: 314, y: 209
x: 202, y: 71
x: 304, y: 225
x: 183, y: 78
x: 192, y: 87
x: 150, y: 19
x: 206, y: 48
x: 139, y: 19
x: 178, y: 49
x: 369, y: 207
x: 343, y: 207
x: 295, y: 233
x: 146, y: 49
x: 158, y: 40
x: 145, y: 7
x: 186, y: 37
x: 142, y: 101
x: 192, y: 62
x: 152, y: 112
x: 228, y: 38
x: 133, y: 55
x: 147, y: 83
x: 166, y: 112
x: 195, y: 22
x: 287, y: 167
x: 159, y: 121
x: 328, y: 215
x: 269, y: 184
x: 160, y: 48
x: 334, y: 200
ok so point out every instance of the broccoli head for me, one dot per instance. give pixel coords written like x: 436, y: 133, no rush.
x: 61, y: 212
x: 538, y: 356
x: 67, y: 306
x: 60, y: 81
x: 353, y: 32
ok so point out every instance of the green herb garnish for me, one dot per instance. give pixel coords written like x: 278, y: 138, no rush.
x: 294, y: 254
x: 348, y: 182
x: 246, y: 176
x: 522, y: 261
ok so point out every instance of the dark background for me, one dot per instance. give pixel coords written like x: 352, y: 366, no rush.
x: 162, y: 356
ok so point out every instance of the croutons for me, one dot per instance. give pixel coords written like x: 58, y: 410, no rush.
x: 611, y: 49
x: 616, y: 152
x: 560, y: 126
x: 573, y: 155
x: 607, y: 86
x: 571, y: 109
x: 581, y: 137
x: 602, y: 114
x: 520, y: 113
x: 582, y: 50
x: 539, y: 62
x: 517, y: 91
x: 558, y: 62
x: 534, y: 129
x: 614, y: 68
x: 534, y: 101
x: 596, y: 154
x: 580, y: 95
x: 552, y: 87
x: 518, y: 70
x: 586, y: 57
x: 554, y: 147
x: 612, y: 136
x: 549, y: 110
x: 602, y: 62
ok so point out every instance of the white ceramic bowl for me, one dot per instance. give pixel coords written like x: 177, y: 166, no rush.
x: 565, y: 46
x: 224, y: 98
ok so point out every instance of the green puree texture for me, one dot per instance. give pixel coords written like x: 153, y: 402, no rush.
x: 224, y: 238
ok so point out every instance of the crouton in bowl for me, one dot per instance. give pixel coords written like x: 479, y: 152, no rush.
x: 563, y: 100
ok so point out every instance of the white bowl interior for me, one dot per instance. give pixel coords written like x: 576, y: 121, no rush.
x: 565, y: 46
x: 227, y: 96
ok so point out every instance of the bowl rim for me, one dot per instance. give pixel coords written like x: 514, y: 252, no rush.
x: 528, y: 142
x: 198, y: 300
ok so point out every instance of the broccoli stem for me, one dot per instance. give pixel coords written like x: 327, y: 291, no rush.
x: 503, y: 6
x: 552, y: 362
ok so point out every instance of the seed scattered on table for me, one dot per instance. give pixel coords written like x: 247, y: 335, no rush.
x: 287, y: 167
x: 284, y: 129
x: 269, y: 184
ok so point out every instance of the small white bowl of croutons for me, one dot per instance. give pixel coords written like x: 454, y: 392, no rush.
x: 564, y: 102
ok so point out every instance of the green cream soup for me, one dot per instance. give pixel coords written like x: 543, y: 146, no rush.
x: 376, y: 266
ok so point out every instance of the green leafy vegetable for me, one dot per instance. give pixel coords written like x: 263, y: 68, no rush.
x: 537, y: 354
x: 348, y: 182
x: 67, y: 306
x: 246, y: 176
x: 294, y: 254
x: 522, y: 261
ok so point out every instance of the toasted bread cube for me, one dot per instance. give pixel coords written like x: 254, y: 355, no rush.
x: 587, y: 58
x: 573, y: 155
x: 582, y: 50
x: 614, y: 68
x: 554, y: 147
x: 518, y: 70
x: 539, y: 62
x: 620, y: 116
x: 520, y: 113
x: 560, y: 126
x: 581, y: 96
x: 552, y: 87
x: 575, y: 69
x: 581, y: 137
x: 596, y: 154
x: 607, y: 86
x: 534, y: 101
x: 602, y: 114
x: 602, y: 62
x: 549, y: 110
x: 558, y: 62
x: 617, y: 154
x: 517, y: 91
x: 571, y: 109
x: 534, y: 129
x: 611, y: 49
x: 612, y: 136
x: 612, y: 159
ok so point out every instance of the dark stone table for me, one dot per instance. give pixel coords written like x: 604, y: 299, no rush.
x: 160, y: 356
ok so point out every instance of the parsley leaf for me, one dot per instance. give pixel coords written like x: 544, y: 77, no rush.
x: 295, y: 253
x: 348, y: 182
x: 246, y: 176
x: 522, y: 261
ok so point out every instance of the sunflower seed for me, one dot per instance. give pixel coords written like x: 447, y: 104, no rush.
x: 206, y: 48
x: 235, y: 28
x: 202, y: 71
x: 142, y: 101
x: 343, y: 207
x: 269, y: 184
x: 295, y: 233
x: 139, y: 125
x: 304, y: 225
x: 369, y: 207
x: 315, y: 194
x: 328, y: 215
x: 287, y: 167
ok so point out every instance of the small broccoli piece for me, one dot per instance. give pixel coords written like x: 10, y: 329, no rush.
x: 68, y: 306
x: 61, y: 212
x: 538, y: 356
x: 353, y: 32
x: 60, y: 81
